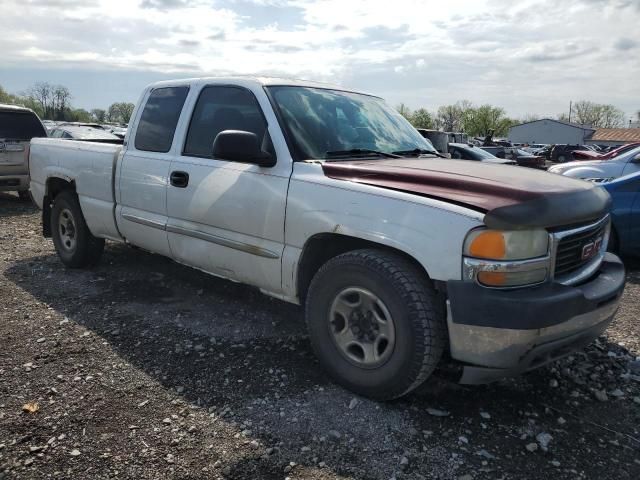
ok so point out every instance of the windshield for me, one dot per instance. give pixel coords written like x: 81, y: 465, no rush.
x: 20, y: 126
x: 626, y: 156
x: 319, y: 122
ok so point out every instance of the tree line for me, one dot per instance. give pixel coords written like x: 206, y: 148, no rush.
x: 53, y: 102
x: 464, y: 116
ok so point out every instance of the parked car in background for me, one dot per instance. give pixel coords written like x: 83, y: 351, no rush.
x: 522, y: 158
x: 534, y: 148
x: 601, y: 171
x: 49, y: 124
x: 98, y: 126
x: 625, y: 214
x: 18, y: 125
x: 600, y: 155
x: 464, y: 151
x: 74, y: 132
x: 118, y: 131
x: 564, y: 153
x: 328, y: 198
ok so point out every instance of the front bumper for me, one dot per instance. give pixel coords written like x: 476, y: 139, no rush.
x: 502, y: 333
x: 12, y: 183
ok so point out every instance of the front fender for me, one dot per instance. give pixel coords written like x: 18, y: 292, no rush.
x: 430, y: 231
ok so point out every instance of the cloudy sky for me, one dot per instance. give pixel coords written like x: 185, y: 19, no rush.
x: 528, y: 56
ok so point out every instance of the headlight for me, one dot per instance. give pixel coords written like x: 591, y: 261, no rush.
x: 497, y: 258
x: 506, y: 245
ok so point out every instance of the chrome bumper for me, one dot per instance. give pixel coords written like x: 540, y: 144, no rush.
x: 516, y: 340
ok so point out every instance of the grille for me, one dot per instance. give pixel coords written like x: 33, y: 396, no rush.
x: 570, y: 248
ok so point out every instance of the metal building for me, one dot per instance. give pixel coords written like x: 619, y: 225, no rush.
x: 550, y: 131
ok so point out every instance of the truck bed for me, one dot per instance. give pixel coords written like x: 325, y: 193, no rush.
x: 91, y: 165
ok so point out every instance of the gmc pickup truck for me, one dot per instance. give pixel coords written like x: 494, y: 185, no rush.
x: 328, y: 198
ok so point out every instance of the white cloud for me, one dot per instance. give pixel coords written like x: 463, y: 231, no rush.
x: 529, y: 56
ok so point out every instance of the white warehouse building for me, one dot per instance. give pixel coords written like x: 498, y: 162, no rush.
x: 550, y: 131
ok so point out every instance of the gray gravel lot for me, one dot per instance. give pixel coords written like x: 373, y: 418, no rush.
x: 142, y: 368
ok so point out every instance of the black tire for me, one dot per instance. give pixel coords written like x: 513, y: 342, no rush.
x: 416, y: 309
x: 24, y: 195
x: 562, y: 159
x: 83, y: 249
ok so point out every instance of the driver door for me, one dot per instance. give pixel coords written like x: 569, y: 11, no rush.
x: 226, y: 217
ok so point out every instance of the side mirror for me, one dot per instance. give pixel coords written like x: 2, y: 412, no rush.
x: 241, y: 146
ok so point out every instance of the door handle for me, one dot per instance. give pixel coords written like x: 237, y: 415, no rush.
x: 179, y: 179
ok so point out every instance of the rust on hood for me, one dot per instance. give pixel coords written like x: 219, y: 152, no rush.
x: 483, y: 187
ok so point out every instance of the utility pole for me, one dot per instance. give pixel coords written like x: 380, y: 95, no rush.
x: 570, y: 106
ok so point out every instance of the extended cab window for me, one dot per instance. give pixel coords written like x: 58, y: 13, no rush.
x: 224, y: 108
x: 159, y: 119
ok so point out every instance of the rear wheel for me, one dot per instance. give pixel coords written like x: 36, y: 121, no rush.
x: 75, y: 244
x: 562, y: 159
x: 376, y: 323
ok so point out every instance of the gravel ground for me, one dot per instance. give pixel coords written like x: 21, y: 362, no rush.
x: 141, y: 368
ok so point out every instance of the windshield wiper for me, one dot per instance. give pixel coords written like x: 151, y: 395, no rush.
x: 359, y: 152
x: 418, y: 151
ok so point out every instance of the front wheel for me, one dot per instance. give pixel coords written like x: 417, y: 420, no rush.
x: 376, y: 323
x: 75, y: 244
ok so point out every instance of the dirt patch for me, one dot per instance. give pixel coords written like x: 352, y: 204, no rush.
x: 142, y: 368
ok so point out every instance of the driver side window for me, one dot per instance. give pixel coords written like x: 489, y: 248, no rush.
x: 222, y: 108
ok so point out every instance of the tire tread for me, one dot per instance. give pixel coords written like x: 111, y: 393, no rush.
x: 425, y: 308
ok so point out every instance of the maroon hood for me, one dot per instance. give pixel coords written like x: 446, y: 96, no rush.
x: 488, y: 188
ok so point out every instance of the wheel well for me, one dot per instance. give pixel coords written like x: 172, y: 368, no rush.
x: 54, y: 186
x: 322, y: 247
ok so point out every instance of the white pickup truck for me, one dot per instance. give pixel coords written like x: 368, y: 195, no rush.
x: 328, y: 198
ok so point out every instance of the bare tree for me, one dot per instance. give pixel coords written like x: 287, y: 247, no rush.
x: 530, y: 117
x: 60, y: 101
x: 598, y: 115
x: 42, y: 94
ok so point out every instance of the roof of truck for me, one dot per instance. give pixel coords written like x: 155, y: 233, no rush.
x: 250, y: 80
x: 14, y: 108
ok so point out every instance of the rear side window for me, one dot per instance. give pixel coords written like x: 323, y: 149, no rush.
x: 224, y: 108
x: 20, y: 126
x: 159, y: 119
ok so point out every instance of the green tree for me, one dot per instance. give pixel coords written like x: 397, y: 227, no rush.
x: 77, y: 115
x: 8, y: 98
x: 99, y: 115
x: 120, y: 112
x: 479, y: 121
x: 422, y: 118
x: 451, y: 117
x: 404, y: 111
